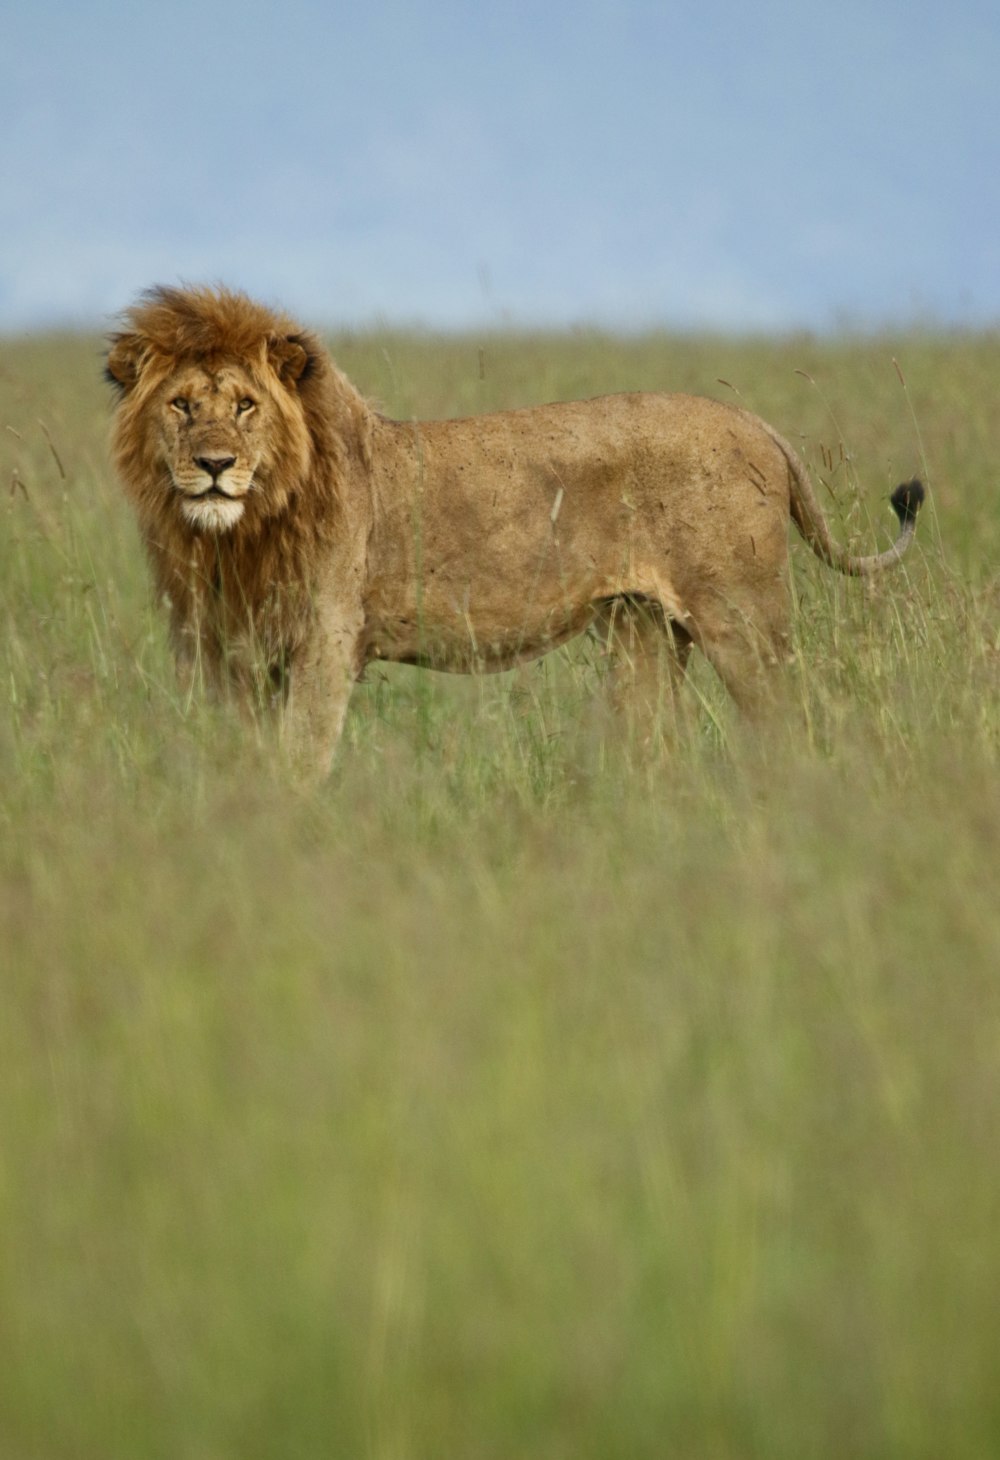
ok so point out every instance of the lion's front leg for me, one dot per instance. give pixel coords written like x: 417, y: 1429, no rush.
x: 197, y: 661
x: 322, y: 674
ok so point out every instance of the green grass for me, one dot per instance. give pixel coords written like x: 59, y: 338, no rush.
x: 505, y: 1098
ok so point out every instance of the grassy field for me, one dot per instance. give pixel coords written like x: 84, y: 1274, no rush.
x: 508, y: 1099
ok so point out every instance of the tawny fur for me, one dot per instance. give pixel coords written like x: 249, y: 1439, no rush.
x: 298, y: 535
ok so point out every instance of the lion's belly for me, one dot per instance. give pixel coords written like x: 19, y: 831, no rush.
x: 486, y: 612
x: 470, y: 639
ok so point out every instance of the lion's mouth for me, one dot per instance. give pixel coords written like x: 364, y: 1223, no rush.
x: 213, y: 494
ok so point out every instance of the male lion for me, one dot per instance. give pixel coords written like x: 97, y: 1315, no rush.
x: 291, y: 527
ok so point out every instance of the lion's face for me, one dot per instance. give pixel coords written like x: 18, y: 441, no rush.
x: 214, y: 431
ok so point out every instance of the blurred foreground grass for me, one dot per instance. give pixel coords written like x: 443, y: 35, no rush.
x: 506, y: 1099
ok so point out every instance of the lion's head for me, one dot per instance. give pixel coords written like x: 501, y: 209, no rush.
x: 223, y: 409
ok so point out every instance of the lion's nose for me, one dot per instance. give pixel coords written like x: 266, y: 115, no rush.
x: 215, y: 465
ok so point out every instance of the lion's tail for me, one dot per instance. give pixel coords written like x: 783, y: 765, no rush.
x: 808, y: 518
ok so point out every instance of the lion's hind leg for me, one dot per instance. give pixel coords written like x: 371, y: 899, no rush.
x: 748, y: 645
x: 647, y: 655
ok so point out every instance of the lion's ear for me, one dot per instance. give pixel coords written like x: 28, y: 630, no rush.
x: 121, y: 368
x: 292, y: 357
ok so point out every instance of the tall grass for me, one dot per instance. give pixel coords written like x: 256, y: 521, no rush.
x: 508, y: 1097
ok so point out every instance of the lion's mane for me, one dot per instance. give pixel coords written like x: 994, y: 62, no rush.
x: 260, y: 573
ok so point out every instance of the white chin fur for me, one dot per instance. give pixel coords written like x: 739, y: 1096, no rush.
x: 212, y: 514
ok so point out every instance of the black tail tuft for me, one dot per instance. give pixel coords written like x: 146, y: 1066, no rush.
x: 907, y: 500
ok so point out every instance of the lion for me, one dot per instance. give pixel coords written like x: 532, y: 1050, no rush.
x: 297, y: 534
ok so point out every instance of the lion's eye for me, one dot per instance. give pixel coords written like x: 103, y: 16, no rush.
x: 182, y: 404
x: 246, y: 404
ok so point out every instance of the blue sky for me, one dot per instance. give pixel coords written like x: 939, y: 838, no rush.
x: 764, y: 165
